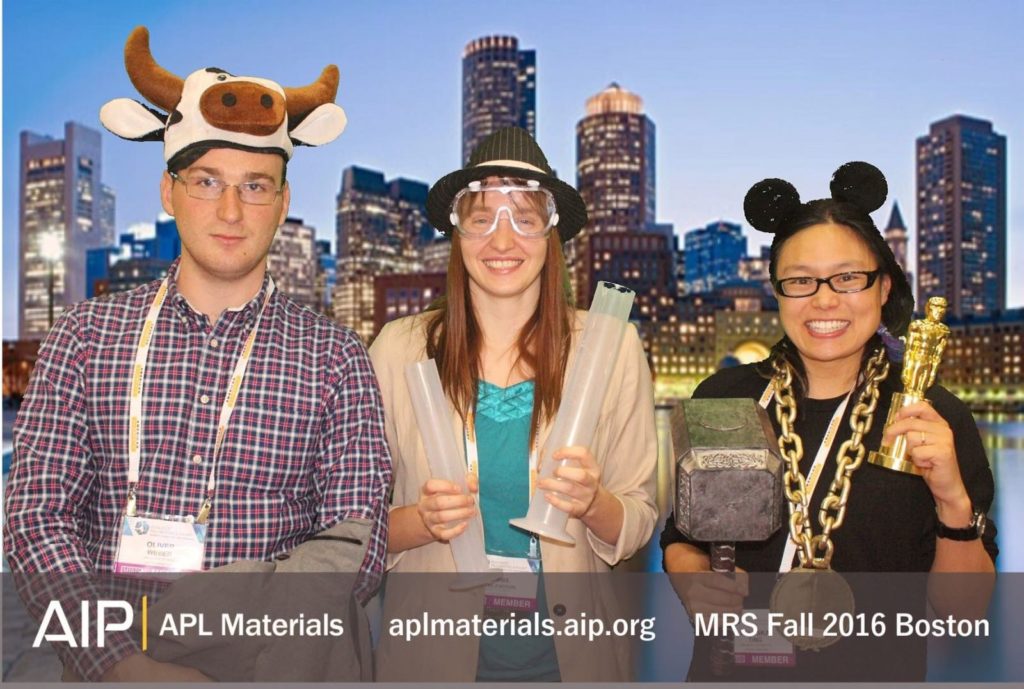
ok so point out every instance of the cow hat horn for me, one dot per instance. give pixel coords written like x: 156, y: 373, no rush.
x: 212, y: 108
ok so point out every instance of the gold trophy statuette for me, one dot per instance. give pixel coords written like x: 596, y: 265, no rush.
x: 926, y: 338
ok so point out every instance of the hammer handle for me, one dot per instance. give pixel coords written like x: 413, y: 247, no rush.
x: 723, y: 557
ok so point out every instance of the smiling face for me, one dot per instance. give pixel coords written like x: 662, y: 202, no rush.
x: 225, y: 239
x: 504, y: 263
x: 830, y: 329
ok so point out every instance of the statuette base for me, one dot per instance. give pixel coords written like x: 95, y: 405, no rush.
x: 900, y: 464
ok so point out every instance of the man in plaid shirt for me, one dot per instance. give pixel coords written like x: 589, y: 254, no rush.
x: 304, y: 448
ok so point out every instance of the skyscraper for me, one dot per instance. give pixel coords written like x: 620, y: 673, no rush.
x: 622, y: 241
x: 64, y: 210
x: 382, y: 228
x: 499, y: 89
x: 614, y: 173
x: 294, y: 262
x: 615, y: 162
x: 713, y: 254
x: 961, y: 215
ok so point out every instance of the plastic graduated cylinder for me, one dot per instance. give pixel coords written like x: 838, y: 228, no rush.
x: 580, y: 409
x: 444, y: 459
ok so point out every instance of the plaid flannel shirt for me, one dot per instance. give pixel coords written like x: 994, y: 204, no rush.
x: 305, y: 447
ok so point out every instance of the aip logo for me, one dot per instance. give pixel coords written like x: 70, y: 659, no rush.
x: 55, y: 611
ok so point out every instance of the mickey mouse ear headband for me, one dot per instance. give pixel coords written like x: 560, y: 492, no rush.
x: 771, y: 201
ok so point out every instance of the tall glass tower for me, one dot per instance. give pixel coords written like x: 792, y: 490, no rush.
x: 499, y: 89
x: 614, y: 175
x: 65, y: 210
x: 961, y: 216
x: 615, y: 162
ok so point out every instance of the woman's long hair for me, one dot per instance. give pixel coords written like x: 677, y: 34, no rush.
x: 454, y: 340
x: 898, y: 308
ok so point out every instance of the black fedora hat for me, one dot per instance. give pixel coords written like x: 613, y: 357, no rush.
x: 509, y: 152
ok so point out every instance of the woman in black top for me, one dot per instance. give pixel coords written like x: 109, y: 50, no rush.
x: 842, y: 298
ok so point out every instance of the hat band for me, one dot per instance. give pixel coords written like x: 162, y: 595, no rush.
x: 511, y: 163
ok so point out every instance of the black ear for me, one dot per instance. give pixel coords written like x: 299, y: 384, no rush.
x: 861, y: 184
x: 769, y: 202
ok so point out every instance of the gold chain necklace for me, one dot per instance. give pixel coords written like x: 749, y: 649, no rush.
x: 816, y: 552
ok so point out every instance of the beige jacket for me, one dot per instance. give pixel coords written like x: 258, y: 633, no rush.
x: 625, y: 447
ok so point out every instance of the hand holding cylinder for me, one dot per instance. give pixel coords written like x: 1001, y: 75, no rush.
x: 575, y: 485
x: 446, y: 464
x: 444, y: 509
x: 582, y: 398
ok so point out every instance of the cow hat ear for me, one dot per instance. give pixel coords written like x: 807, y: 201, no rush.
x: 130, y: 119
x: 323, y: 125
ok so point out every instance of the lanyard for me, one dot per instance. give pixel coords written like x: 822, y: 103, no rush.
x: 789, y: 552
x: 135, y: 398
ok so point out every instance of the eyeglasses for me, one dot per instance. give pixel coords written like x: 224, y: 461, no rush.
x: 529, y: 208
x: 255, y: 192
x: 841, y: 283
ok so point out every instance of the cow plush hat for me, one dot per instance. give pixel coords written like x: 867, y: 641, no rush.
x: 214, y: 109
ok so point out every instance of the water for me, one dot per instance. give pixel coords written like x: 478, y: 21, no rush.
x: 1004, y: 442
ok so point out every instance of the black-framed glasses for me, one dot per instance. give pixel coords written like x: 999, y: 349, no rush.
x: 258, y: 192
x: 840, y: 283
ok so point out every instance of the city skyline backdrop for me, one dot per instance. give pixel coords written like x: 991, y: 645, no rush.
x: 737, y: 93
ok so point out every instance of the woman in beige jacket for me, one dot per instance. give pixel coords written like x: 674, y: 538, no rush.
x: 503, y: 340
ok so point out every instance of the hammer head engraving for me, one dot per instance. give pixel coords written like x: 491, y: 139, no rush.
x: 728, y: 471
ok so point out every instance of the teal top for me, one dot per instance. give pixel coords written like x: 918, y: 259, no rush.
x: 503, y: 450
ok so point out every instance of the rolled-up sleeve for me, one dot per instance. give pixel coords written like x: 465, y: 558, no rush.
x: 355, y: 462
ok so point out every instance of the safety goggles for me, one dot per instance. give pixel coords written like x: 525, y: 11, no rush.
x: 528, y: 207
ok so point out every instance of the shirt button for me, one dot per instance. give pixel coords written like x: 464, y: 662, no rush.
x: 205, y: 399
x: 197, y: 459
x: 214, y: 344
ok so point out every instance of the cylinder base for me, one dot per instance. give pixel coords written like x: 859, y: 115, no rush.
x: 541, y: 529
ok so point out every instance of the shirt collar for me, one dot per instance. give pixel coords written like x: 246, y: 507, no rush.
x: 240, y: 315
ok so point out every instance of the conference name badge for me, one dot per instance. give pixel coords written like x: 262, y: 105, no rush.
x: 155, y: 545
x: 763, y: 649
x: 517, y: 590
